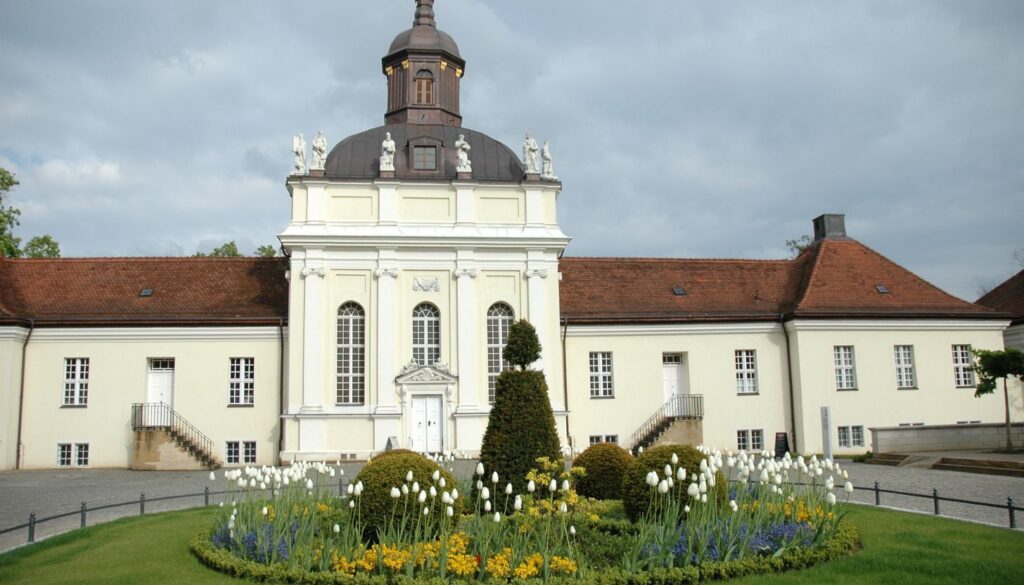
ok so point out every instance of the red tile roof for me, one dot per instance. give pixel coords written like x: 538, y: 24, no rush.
x: 1007, y: 297
x: 106, y: 291
x: 834, y: 277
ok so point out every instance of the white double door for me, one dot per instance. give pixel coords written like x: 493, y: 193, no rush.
x: 673, y: 378
x: 425, y: 425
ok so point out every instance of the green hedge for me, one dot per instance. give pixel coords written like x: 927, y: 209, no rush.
x: 636, y: 494
x: 381, y: 474
x: 606, y: 465
x: 844, y: 542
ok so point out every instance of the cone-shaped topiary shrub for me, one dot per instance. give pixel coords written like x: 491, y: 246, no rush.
x: 521, y: 426
x: 606, y: 464
x: 387, y: 471
x: 636, y: 494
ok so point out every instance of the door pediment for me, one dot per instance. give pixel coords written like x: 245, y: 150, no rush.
x: 414, y: 374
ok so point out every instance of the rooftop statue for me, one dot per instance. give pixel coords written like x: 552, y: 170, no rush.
x: 319, y: 151
x: 530, y: 149
x: 299, y: 148
x: 464, y: 165
x: 548, y: 170
x: 387, y: 153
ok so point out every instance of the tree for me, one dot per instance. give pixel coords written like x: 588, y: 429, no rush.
x: 266, y: 251
x: 991, y: 365
x: 10, y: 245
x: 43, y: 246
x: 797, y: 246
x: 228, y: 250
x: 521, y: 426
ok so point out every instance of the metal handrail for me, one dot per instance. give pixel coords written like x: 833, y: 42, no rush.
x: 686, y: 406
x: 159, y: 415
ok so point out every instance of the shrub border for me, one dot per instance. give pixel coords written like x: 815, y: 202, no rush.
x: 844, y: 542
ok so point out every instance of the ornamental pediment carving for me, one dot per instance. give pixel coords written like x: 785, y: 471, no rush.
x: 415, y: 373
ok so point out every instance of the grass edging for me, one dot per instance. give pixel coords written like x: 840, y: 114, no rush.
x: 844, y: 542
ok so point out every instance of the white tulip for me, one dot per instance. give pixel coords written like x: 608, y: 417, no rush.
x: 518, y: 503
x: 396, y: 493
x: 663, y: 487
x: 563, y: 508
x: 359, y: 488
x: 422, y: 497
x: 405, y: 490
x: 408, y: 475
x: 675, y: 459
x: 449, y: 511
x: 508, y: 489
x: 351, y: 503
x: 455, y: 493
x: 530, y: 487
x: 703, y: 464
x: 441, y: 482
x: 494, y: 477
x: 640, y: 450
x: 309, y: 484
x: 732, y: 504
x: 436, y: 475
x: 221, y: 504
x: 693, y: 491
x: 554, y: 485
x: 703, y: 498
x: 831, y: 499
x: 565, y: 485
x: 264, y: 510
x: 480, y: 468
x: 848, y: 488
x: 497, y: 517
x: 487, y: 506
x: 252, y: 483
x: 415, y: 487
x: 213, y: 476
x: 479, y: 485
x: 485, y: 494
x: 337, y: 529
x: 686, y: 509
x: 681, y: 474
x: 433, y: 492
x: 668, y: 470
x: 426, y: 511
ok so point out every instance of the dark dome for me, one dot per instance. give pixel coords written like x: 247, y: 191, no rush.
x: 358, y: 156
x: 424, y: 38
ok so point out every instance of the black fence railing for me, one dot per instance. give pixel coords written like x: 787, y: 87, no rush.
x: 680, y: 406
x: 33, y: 521
x: 160, y: 416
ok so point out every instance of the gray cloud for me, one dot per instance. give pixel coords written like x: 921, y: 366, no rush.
x: 679, y: 128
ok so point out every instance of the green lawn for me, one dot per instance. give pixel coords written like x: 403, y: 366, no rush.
x: 898, y: 548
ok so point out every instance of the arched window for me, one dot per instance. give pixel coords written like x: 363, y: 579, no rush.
x: 351, y: 354
x: 426, y: 334
x: 499, y: 318
x: 424, y: 87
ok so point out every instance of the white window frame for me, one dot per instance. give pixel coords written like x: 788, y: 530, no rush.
x: 743, y: 440
x: 351, y: 366
x: 76, y: 381
x: 906, y: 375
x: 65, y: 456
x: 843, y: 435
x: 602, y: 384
x: 746, y: 371
x: 233, y: 458
x: 963, y: 359
x: 598, y: 439
x: 845, y: 361
x: 857, y: 435
x: 757, y: 439
x: 426, y: 334
x: 81, y: 454
x: 241, y: 381
x: 248, y: 452
x: 499, y: 318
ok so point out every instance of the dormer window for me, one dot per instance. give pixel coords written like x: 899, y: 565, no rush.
x: 424, y: 87
x: 424, y: 158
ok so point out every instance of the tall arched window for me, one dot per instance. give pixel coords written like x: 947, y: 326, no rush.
x: 351, y: 354
x: 426, y: 334
x: 499, y: 318
x: 424, y: 87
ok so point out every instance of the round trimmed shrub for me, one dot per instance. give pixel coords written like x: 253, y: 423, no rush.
x: 636, y: 494
x: 606, y: 464
x: 381, y: 474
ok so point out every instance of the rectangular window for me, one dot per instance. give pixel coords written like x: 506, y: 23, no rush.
x: 757, y: 440
x: 82, y: 454
x: 242, y: 381
x: 905, y: 366
x: 424, y: 158
x: 76, y: 381
x: 962, y: 373
x: 846, y: 377
x: 424, y: 90
x: 232, y: 452
x: 857, y: 436
x: 64, y: 454
x: 597, y: 439
x: 601, y: 374
x: 746, y: 371
x: 743, y: 440
x: 844, y: 436
x: 249, y: 452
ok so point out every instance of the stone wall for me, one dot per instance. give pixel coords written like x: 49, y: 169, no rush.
x: 157, y: 451
x: 944, y: 438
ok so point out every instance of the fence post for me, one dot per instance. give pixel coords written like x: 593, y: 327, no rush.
x: 83, y: 515
x: 32, y: 527
x: 878, y: 495
x: 935, y: 497
x: 142, y: 503
x: 341, y: 489
x: 1009, y: 508
x: 206, y: 495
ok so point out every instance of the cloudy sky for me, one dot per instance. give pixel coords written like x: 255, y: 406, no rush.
x: 688, y: 129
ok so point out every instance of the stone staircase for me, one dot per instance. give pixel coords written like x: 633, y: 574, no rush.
x: 678, y: 421
x: 164, y: 440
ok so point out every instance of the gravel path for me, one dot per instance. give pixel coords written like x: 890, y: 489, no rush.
x: 53, y: 492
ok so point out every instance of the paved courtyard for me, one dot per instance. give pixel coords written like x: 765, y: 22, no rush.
x: 51, y: 492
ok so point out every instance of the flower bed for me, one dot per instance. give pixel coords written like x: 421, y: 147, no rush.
x: 286, y: 525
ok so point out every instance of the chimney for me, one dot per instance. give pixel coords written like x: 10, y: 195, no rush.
x: 829, y: 225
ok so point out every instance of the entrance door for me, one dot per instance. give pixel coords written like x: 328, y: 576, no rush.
x: 673, y: 375
x: 426, y: 424
x: 160, y: 385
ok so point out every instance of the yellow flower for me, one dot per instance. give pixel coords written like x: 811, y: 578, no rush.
x: 271, y: 513
x: 461, y: 564
x: 341, y: 564
x: 457, y: 543
x: 323, y: 508
x: 498, y: 565
x: 529, y: 567
x: 394, y: 558
x: 563, y: 565
x: 369, y: 561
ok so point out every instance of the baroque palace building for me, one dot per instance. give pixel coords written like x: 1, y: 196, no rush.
x: 411, y: 248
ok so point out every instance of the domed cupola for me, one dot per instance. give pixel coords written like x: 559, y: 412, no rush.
x: 423, y: 67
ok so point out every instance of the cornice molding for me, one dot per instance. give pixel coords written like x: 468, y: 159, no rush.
x: 671, y: 329
x: 113, y: 334
x: 13, y: 334
x: 897, y: 325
